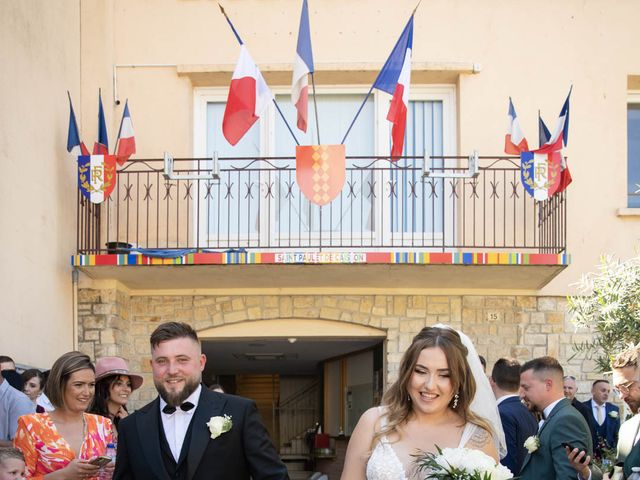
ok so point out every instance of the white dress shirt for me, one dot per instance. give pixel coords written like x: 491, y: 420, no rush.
x: 547, y: 411
x: 603, y: 408
x: 176, y: 424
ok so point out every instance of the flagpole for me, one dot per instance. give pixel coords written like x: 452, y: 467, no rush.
x: 285, y: 121
x: 315, y: 106
x: 358, y: 113
x: 273, y: 97
x: 121, y: 122
x: 373, y: 86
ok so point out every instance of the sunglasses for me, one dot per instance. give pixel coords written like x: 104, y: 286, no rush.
x: 624, y: 388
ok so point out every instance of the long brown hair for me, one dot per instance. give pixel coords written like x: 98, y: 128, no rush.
x: 396, y: 398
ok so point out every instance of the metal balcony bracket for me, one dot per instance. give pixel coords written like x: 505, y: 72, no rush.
x: 472, y: 169
x: 211, y: 174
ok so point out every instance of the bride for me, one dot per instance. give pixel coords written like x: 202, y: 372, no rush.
x: 442, y: 398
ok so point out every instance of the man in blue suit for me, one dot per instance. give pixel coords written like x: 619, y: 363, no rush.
x: 518, y: 422
x: 606, y: 416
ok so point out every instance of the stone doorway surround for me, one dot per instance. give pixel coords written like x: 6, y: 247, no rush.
x: 113, y: 321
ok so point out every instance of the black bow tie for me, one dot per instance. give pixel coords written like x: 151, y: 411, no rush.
x: 185, y: 407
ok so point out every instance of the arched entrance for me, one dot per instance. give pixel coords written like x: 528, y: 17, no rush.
x: 301, y: 372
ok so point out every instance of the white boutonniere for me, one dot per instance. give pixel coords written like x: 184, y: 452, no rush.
x: 219, y: 425
x: 532, y: 443
x: 613, y: 414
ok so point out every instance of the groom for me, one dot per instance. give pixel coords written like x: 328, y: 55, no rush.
x: 541, y: 385
x: 170, y: 437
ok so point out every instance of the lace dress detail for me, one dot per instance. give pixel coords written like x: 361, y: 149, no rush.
x: 384, y: 464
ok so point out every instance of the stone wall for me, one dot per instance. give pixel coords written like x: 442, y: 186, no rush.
x: 114, y: 323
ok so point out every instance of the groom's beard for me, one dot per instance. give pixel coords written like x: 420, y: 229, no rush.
x: 175, y: 398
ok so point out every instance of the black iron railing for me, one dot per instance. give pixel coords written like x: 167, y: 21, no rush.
x: 256, y: 204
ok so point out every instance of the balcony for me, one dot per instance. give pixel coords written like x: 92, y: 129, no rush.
x: 389, y: 220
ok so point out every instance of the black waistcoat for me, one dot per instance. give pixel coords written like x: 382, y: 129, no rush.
x: 176, y: 470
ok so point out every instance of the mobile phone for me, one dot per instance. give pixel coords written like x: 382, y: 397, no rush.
x: 571, y: 447
x: 100, y: 461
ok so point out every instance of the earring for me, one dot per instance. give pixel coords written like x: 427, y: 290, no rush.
x: 455, y: 401
x: 409, y: 398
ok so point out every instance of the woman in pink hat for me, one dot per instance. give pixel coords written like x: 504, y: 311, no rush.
x: 114, y: 384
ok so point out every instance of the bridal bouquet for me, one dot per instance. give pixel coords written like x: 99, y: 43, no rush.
x: 460, y: 464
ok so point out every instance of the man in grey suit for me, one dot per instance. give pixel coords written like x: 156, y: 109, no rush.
x: 541, y: 384
x: 626, y: 382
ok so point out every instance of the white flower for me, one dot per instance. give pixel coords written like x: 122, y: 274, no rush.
x: 500, y: 472
x: 613, y: 414
x: 461, y: 463
x: 219, y: 425
x: 532, y: 443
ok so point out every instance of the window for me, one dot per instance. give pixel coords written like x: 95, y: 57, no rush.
x: 633, y: 151
x: 374, y: 206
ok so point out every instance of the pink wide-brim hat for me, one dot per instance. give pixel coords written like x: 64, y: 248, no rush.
x: 109, y: 366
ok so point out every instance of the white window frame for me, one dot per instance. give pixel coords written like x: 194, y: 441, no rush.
x: 444, y: 93
x: 633, y: 98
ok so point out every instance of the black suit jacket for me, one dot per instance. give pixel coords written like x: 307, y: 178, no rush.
x: 518, y: 424
x: 588, y: 416
x: 242, y: 453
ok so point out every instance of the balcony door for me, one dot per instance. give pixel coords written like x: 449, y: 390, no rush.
x: 350, y: 216
x: 415, y: 207
x: 258, y: 203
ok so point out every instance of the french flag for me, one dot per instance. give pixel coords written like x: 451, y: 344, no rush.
x: 126, y: 143
x: 248, y: 97
x: 395, y: 79
x: 544, y: 135
x: 561, y: 133
x: 74, y: 146
x: 559, y: 139
x: 303, y: 65
x: 101, y: 147
x: 514, y: 141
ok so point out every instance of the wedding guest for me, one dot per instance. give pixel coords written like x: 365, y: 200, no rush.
x: 483, y: 362
x: 114, y: 384
x: 570, y: 390
x: 33, y: 386
x: 43, y: 400
x: 442, y: 398
x: 541, y: 384
x: 518, y: 422
x: 13, y: 378
x: 62, y: 443
x: 7, y: 363
x: 605, y: 414
x: 8, y: 371
x: 216, y: 387
x: 13, y: 404
x: 11, y: 464
x: 626, y: 382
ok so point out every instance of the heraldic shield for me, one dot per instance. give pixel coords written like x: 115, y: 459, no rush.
x: 97, y: 176
x: 320, y: 171
x: 540, y: 173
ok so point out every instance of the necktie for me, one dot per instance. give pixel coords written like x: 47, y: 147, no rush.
x: 541, y: 421
x: 600, y: 416
x: 185, y: 407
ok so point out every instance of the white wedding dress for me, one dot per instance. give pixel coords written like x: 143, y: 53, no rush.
x: 384, y: 464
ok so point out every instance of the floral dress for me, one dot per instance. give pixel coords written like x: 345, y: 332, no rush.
x: 45, y: 451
